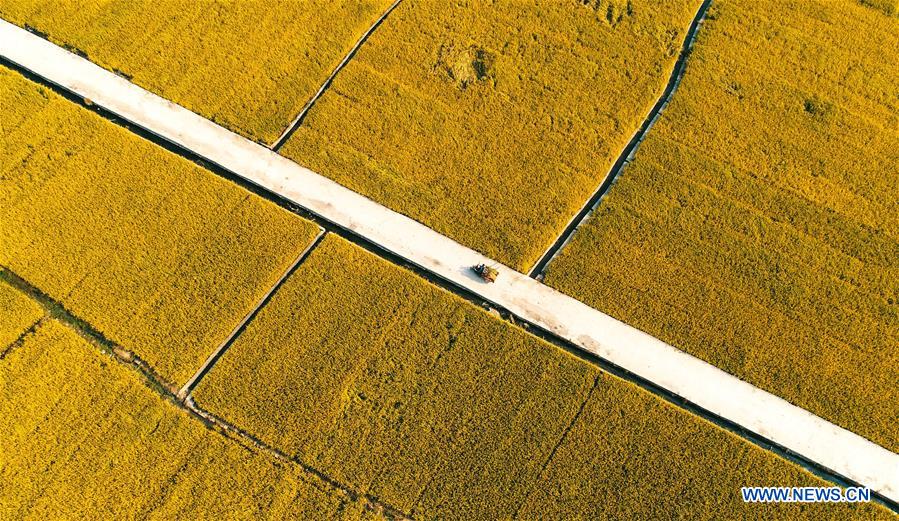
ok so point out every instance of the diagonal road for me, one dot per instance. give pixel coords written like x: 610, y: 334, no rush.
x: 792, y: 429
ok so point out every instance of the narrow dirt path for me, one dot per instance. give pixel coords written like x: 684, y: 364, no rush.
x: 755, y: 414
x: 627, y: 154
x: 297, y: 121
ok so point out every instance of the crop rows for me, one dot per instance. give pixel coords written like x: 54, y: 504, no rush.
x: 249, y: 66
x: 758, y: 227
x: 83, y: 438
x: 492, y: 122
x: 408, y: 393
x: 158, y: 254
x: 19, y: 314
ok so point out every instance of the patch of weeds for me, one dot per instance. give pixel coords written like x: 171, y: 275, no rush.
x: 467, y: 66
x: 818, y: 108
x: 610, y: 11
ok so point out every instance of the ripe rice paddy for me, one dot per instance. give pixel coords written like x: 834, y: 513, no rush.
x: 83, y: 438
x: 492, y: 122
x: 19, y: 314
x: 471, y: 117
x: 158, y: 254
x: 412, y: 395
x: 758, y: 227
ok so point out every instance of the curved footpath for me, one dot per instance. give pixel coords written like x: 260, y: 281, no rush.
x: 706, y: 386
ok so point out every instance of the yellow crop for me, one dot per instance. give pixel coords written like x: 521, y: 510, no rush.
x: 158, y: 254
x: 492, y: 122
x: 758, y: 227
x: 248, y: 65
x: 17, y: 314
x: 408, y: 393
x: 617, y: 444
x: 83, y: 438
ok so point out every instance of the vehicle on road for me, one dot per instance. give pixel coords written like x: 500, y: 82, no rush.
x: 486, y: 273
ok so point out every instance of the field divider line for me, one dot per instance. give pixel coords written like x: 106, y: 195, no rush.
x: 373, y: 502
x: 242, y: 325
x: 689, y: 380
x: 297, y: 121
x: 56, y: 311
x: 555, y: 449
x: 627, y: 153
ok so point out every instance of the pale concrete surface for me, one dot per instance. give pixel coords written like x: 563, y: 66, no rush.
x: 706, y: 386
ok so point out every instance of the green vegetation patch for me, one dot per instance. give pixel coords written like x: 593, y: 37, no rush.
x: 492, y: 122
x: 248, y: 65
x: 758, y: 227
x: 83, y: 438
x: 156, y: 253
x: 425, y: 401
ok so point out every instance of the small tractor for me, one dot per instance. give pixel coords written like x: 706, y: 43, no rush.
x: 486, y: 273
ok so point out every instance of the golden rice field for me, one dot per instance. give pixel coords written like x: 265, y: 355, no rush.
x: 758, y: 227
x: 493, y: 122
x: 19, y: 314
x: 248, y: 65
x: 83, y: 438
x: 158, y: 254
x: 406, y: 392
